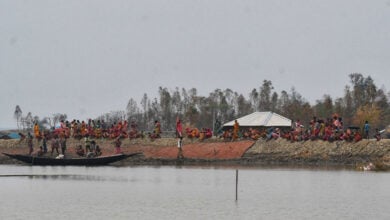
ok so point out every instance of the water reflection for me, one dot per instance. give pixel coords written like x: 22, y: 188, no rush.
x: 72, y: 177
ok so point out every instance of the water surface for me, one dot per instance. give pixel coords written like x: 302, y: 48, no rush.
x: 33, y: 192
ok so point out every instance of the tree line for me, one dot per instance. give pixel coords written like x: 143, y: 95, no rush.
x: 362, y: 100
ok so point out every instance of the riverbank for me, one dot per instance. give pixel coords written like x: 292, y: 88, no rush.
x: 245, y: 152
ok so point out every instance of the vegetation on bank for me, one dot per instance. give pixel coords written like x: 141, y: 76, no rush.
x: 362, y: 100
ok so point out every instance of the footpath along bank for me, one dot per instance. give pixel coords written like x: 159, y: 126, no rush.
x: 245, y: 152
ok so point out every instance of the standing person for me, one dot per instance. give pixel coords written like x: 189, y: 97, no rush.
x: 36, y: 130
x: 87, y: 142
x: 63, y: 143
x: 366, y: 129
x: 30, y: 143
x: 179, y: 128
x: 157, y: 128
x: 179, y: 146
x: 44, y: 143
x: 217, y: 127
x: 236, y: 128
x: 72, y: 128
x: 118, y: 144
x: 179, y: 135
x: 93, y: 146
x: 54, y: 144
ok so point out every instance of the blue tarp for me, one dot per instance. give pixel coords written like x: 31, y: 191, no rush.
x: 14, y: 135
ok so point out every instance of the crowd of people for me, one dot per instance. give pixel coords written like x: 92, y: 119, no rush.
x: 88, y: 131
x: 330, y: 129
x: 97, y: 129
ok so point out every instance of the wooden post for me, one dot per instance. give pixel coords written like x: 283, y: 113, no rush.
x: 236, y: 184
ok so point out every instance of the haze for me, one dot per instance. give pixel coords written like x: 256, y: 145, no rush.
x: 86, y: 58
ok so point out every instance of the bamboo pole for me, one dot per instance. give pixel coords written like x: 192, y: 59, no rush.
x: 236, y: 185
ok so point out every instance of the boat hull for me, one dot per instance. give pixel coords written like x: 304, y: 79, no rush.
x: 45, y: 161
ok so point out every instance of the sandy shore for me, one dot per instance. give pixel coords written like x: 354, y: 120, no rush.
x: 244, y: 152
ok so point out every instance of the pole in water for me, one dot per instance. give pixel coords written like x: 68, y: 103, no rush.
x: 236, y: 184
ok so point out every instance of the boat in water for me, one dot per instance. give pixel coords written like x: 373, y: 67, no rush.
x: 47, y: 161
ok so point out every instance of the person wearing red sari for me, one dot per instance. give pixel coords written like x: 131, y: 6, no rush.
x: 118, y: 129
x: 358, y: 137
x: 125, y: 126
x: 179, y: 128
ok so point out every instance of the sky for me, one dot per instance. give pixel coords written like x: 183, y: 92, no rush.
x: 85, y: 58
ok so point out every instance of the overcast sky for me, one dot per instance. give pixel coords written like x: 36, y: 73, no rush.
x: 85, y: 58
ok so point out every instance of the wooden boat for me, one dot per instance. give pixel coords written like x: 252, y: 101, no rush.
x: 95, y: 161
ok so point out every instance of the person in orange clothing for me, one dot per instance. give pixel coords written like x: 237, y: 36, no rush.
x: 195, y: 132
x: 83, y: 129
x: 37, y: 133
x: 236, y: 128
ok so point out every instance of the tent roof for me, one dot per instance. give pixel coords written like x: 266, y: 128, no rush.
x: 265, y: 119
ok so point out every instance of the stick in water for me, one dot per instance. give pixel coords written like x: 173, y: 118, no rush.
x: 236, y: 184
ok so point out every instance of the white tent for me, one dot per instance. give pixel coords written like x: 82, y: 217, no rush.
x: 261, y: 119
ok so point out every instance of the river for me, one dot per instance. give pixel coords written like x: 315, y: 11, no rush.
x: 145, y: 192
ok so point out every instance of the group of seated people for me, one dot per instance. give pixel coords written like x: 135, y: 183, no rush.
x: 252, y: 133
x: 202, y: 134
x: 98, y: 129
x: 331, y: 129
x: 91, y: 150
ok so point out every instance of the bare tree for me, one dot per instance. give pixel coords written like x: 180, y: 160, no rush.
x: 132, y: 109
x: 18, y: 115
x: 167, y: 113
x: 28, y: 121
x: 254, y: 99
x: 57, y: 118
x: 265, y: 96
x: 45, y: 122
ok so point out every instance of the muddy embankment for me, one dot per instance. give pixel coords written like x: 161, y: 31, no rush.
x: 320, y: 153
x: 246, y: 152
